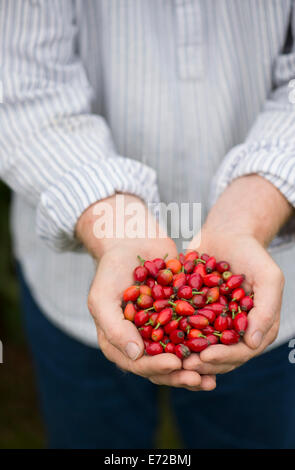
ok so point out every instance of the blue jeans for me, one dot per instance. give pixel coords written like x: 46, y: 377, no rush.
x: 87, y: 402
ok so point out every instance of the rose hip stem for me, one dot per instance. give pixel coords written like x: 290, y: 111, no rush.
x: 141, y: 260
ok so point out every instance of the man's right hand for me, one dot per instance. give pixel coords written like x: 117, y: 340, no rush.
x: 118, y: 338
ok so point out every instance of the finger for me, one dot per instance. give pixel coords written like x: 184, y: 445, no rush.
x: 208, y: 382
x: 220, y: 354
x: 194, y: 362
x: 179, y: 379
x: 265, y: 312
x: 108, y: 316
x: 144, y: 366
x: 186, y: 379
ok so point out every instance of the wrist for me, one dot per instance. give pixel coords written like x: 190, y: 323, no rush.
x: 121, y: 218
x: 250, y: 206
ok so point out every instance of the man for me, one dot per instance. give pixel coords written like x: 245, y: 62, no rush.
x: 101, y: 97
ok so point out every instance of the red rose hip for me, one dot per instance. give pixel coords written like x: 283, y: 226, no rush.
x: 183, y: 324
x: 222, y: 266
x: 194, y: 333
x: 229, y: 337
x: 197, y: 344
x: 208, y: 313
x: 212, y: 280
x: 238, y: 294
x: 179, y: 280
x: 195, y: 281
x: 174, y: 264
x: 165, y: 316
x: 164, y: 277
x: 168, y: 291
x: 199, y: 300
x: 182, y: 351
x: 246, y: 303
x: 131, y: 294
x: 240, y: 323
x: 171, y: 326
x: 150, y: 282
x: 140, y: 274
x: 159, y: 263
x: 160, y: 304
x: 221, y: 322
x: 177, y: 336
x: 213, y: 339
x: 170, y: 348
x: 157, y: 292
x: 157, y: 334
x: 146, y: 331
x: 129, y: 311
x: 152, y: 349
x: 210, y: 264
x: 141, y: 317
x: 212, y: 295
x: 198, y: 321
x: 185, y: 292
x: 191, y: 256
x: 144, y: 289
x: 235, y: 281
x: 145, y: 301
x: 182, y: 307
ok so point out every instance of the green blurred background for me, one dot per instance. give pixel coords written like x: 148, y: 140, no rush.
x: 20, y: 422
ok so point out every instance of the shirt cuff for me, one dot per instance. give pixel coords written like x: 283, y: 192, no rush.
x: 62, y: 203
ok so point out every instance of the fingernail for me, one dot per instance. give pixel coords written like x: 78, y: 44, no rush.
x: 132, y: 351
x: 256, y: 338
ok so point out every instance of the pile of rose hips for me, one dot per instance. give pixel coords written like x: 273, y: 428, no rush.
x: 185, y: 304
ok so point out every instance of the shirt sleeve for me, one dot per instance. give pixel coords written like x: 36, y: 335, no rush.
x: 53, y: 151
x: 269, y: 149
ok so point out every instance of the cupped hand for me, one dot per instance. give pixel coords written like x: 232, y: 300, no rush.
x: 116, y: 259
x: 118, y: 338
x: 246, y: 256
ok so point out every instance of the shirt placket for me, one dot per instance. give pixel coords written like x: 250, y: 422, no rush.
x: 189, y: 39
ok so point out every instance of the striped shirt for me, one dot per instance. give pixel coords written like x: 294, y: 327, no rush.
x: 144, y: 97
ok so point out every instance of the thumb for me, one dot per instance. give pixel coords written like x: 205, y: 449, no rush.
x: 109, y: 318
x: 264, y: 314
